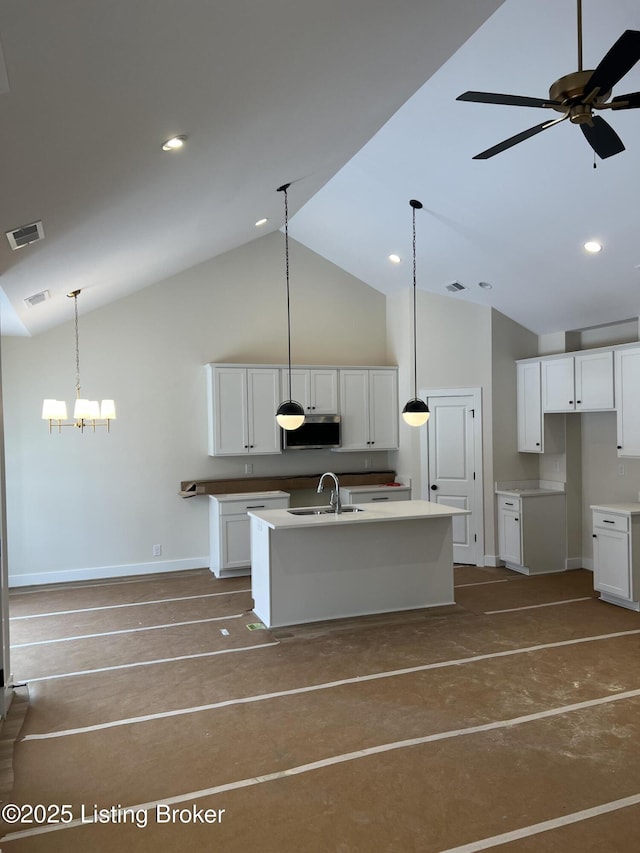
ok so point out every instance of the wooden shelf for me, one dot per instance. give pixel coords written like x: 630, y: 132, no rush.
x: 192, y: 488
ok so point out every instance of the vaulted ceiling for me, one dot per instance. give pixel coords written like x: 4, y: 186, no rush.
x: 354, y: 102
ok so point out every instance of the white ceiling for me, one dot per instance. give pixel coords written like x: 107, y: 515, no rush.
x: 292, y: 90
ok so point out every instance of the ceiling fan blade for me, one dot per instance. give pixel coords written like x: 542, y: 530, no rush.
x: 514, y: 140
x: 507, y: 100
x: 621, y: 58
x: 626, y: 102
x: 602, y: 138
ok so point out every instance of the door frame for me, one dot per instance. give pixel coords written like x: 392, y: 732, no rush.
x: 476, y: 394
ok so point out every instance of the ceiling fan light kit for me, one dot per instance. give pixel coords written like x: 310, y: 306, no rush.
x: 576, y: 96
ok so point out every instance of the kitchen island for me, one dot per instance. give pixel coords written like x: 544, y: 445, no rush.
x: 309, y: 565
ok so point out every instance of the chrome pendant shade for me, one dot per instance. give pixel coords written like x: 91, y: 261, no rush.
x: 290, y: 414
x: 416, y: 412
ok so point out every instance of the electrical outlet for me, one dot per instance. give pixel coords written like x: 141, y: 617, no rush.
x: 248, y: 468
x: 367, y: 462
x: 157, y: 550
x: 621, y: 470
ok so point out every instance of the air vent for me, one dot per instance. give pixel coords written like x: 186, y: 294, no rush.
x: 455, y: 287
x: 37, y: 298
x: 26, y: 234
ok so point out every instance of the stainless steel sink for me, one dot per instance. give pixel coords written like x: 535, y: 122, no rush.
x: 323, y: 510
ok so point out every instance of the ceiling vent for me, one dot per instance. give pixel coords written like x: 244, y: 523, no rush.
x: 26, y: 234
x: 455, y: 287
x: 37, y: 298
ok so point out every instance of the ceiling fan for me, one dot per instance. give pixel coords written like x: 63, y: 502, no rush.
x: 577, y: 95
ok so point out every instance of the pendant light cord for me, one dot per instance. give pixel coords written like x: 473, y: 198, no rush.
x: 415, y: 337
x: 284, y: 189
x: 75, y: 306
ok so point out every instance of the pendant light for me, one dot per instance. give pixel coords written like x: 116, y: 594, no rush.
x: 290, y: 414
x: 87, y: 413
x: 416, y: 412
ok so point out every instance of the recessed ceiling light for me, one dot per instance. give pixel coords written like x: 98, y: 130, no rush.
x: 593, y: 246
x: 395, y: 259
x: 175, y: 143
x: 485, y: 285
x: 262, y: 221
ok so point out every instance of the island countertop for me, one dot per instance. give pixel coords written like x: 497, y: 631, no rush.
x: 280, y: 519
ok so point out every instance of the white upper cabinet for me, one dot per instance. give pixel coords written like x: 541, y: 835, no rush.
x: 530, y: 408
x: 315, y: 389
x: 627, y: 362
x: 594, y: 381
x: 369, y: 409
x: 242, y: 410
x: 579, y: 383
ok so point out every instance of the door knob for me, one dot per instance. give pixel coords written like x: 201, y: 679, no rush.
x: 434, y: 487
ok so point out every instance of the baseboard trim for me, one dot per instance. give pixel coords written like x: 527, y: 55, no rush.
x: 105, y: 572
x: 493, y: 560
x: 587, y: 564
x: 578, y: 563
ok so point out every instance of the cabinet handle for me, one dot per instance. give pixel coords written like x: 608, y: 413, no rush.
x: 434, y: 487
x: 251, y: 445
x: 606, y: 521
x: 593, y: 535
x: 571, y: 402
x: 578, y: 402
x: 619, y: 447
x: 516, y: 519
x: 537, y: 444
x: 373, y: 442
x: 246, y: 446
x: 257, y: 506
x: 385, y: 498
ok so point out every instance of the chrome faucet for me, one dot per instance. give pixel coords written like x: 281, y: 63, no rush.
x: 334, y: 501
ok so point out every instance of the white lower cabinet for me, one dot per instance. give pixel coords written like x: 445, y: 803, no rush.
x: 230, y: 529
x: 532, y: 532
x: 616, y: 554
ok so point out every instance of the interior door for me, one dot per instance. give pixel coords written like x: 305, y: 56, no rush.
x: 452, y: 468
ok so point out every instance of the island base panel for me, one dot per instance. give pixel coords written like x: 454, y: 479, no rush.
x: 333, y: 572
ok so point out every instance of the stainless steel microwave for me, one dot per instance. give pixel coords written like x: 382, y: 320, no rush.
x: 318, y: 432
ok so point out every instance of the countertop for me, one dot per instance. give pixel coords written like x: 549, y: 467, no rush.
x: 280, y: 519
x: 627, y: 508
x: 243, y: 496
x: 529, y: 488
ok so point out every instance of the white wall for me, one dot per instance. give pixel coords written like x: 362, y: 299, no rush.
x: 462, y: 345
x: 94, y: 505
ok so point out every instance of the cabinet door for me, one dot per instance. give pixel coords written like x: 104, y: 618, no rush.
x: 383, y: 410
x: 228, y: 411
x: 558, y: 385
x: 324, y: 391
x: 594, y: 381
x: 627, y: 363
x: 529, y: 408
x: 354, y: 407
x: 235, y: 540
x: 300, y: 387
x: 611, y: 562
x: 509, y: 542
x: 263, y: 395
